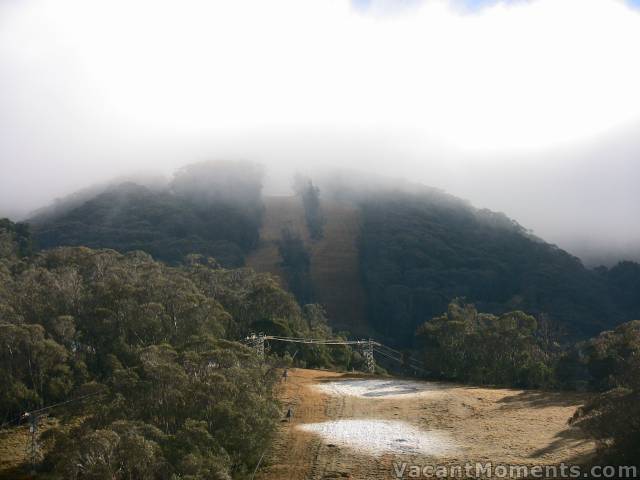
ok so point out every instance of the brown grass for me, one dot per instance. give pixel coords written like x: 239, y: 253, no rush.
x: 334, y: 258
x: 504, y: 426
x: 14, y: 453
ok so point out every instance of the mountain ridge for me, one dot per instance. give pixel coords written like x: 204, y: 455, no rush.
x: 391, y: 257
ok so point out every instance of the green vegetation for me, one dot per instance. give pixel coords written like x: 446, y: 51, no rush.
x: 509, y: 349
x: 513, y: 349
x: 419, y: 250
x: 176, y: 395
x: 15, y: 239
x: 613, y: 417
x: 214, y: 209
x: 296, y: 263
x: 310, y: 195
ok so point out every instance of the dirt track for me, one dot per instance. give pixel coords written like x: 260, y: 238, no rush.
x: 503, y: 426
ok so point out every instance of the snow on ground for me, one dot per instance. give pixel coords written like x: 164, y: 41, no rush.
x: 377, y: 437
x: 390, y: 388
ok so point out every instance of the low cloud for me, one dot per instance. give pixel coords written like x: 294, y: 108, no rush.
x: 475, y: 97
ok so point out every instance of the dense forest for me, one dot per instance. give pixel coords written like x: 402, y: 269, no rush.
x: 153, y: 351
x: 214, y: 209
x: 418, y: 247
x: 154, y: 345
x: 296, y: 264
x: 310, y: 195
x: 420, y: 250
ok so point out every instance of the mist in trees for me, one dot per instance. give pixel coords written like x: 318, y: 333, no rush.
x: 212, y: 208
x: 296, y: 263
x: 418, y: 250
x: 235, y: 184
x: 310, y: 195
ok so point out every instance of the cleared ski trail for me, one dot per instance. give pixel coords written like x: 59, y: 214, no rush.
x: 350, y: 426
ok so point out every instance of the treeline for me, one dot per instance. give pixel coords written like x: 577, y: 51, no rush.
x: 174, y: 394
x: 310, y: 195
x: 296, y: 264
x: 418, y: 247
x: 294, y: 253
x: 418, y: 250
x: 516, y: 349
x: 211, y: 208
x: 468, y: 346
x: 613, y: 417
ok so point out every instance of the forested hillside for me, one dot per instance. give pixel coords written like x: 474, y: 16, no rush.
x: 155, y: 346
x: 420, y: 250
x: 417, y: 248
x: 153, y: 351
x: 211, y: 208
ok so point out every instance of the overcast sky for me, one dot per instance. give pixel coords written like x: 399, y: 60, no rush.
x: 527, y: 107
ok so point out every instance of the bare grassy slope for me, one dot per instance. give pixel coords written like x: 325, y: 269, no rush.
x: 502, y: 426
x: 334, y: 258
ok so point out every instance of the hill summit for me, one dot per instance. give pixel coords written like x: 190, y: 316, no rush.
x: 382, y: 259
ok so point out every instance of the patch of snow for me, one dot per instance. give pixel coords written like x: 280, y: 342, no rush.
x: 377, y: 437
x: 366, y: 388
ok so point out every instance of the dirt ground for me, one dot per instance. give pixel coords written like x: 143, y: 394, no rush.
x: 502, y: 426
x: 14, y: 450
x: 335, y: 272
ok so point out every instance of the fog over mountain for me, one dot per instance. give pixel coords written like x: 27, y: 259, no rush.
x: 211, y: 208
x: 529, y: 108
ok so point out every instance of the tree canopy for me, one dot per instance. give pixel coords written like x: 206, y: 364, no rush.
x: 176, y: 395
x: 420, y: 250
x: 211, y: 208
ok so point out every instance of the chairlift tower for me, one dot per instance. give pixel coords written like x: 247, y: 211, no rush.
x: 260, y: 346
x: 368, y: 348
x: 32, y: 445
x: 257, y: 343
x: 368, y: 356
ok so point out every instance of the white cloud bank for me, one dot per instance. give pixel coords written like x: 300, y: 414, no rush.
x: 90, y: 88
x: 524, y: 75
